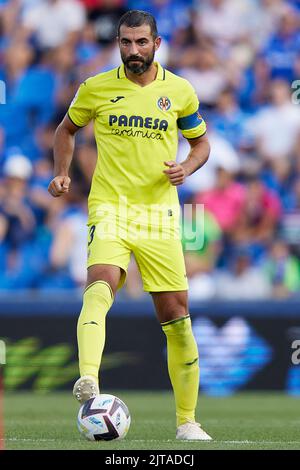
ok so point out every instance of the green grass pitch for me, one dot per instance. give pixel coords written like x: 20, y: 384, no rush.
x: 243, y: 421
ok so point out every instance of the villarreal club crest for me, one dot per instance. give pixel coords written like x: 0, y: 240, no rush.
x: 164, y: 103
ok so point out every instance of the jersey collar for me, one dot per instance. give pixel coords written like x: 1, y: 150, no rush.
x: 161, y: 73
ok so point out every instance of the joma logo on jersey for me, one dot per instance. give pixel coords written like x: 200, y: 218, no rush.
x: 138, y: 121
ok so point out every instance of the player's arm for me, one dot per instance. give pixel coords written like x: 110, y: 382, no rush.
x: 193, y: 128
x: 196, y: 158
x: 64, y: 141
x: 79, y: 115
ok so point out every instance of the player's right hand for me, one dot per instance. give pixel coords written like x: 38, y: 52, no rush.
x: 59, y: 186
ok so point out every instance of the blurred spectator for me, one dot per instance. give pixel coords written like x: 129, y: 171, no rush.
x: 228, y: 119
x: 25, y: 109
x: 206, y: 73
x: 279, y: 177
x: 242, y: 281
x: 38, y: 193
x: 201, y: 237
x: 61, y: 61
x: 260, y: 214
x: 282, y: 51
x: 17, y: 223
x: 222, y: 155
x: 104, y: 16
x: 53, y: 22
x: 67, y: 254
x: 226, y: 201
x: 276, y: 127
x: 226, y: 22
x: 290, y: 221
x: 283, y: 270
x: 14, y: 206
x: 2, y: 145
x: 88, y: 48
x: 266, y: 20
x: 9, y: 15
x: 39, y: 197
x: 86, y: 156
x: 182, y: 46
x: 254, y: 84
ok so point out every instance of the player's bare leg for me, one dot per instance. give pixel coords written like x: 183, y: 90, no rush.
x: 183, y: 363
x: 105, y: 272
x: 101, y: 286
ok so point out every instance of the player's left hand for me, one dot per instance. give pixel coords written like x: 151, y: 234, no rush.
x: 175, y: 173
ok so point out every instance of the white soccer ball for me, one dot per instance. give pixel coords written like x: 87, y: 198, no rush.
x: 103, y: 418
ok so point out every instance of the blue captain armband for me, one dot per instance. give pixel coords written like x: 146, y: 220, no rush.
x: 190, y: 122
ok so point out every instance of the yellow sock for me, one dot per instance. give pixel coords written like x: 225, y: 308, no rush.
x: 97, y: 300
x: 183, y: 366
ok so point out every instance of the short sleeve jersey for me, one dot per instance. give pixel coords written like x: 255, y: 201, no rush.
x: 136, y: 131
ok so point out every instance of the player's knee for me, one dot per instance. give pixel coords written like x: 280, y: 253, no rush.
x: 174, y: 308
x: 173, y: 311
x: 109, y: 274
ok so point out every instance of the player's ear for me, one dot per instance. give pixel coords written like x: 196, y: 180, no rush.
x: 157, y: 43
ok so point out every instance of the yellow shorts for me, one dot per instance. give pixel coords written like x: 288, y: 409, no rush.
x: 158, y: 253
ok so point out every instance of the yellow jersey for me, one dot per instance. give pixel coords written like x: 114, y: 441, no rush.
x: 136, y: 130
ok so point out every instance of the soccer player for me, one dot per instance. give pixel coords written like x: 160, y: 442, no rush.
x: 137, y: 109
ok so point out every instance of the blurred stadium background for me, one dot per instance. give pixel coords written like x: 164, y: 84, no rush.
x: 242, y: 58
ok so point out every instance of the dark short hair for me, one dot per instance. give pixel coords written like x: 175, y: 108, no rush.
x: 135, y: 18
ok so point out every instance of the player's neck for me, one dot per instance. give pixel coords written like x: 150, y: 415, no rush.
x: 145, y: 78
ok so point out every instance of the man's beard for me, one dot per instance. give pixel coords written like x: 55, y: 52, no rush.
x: 139, y: 67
